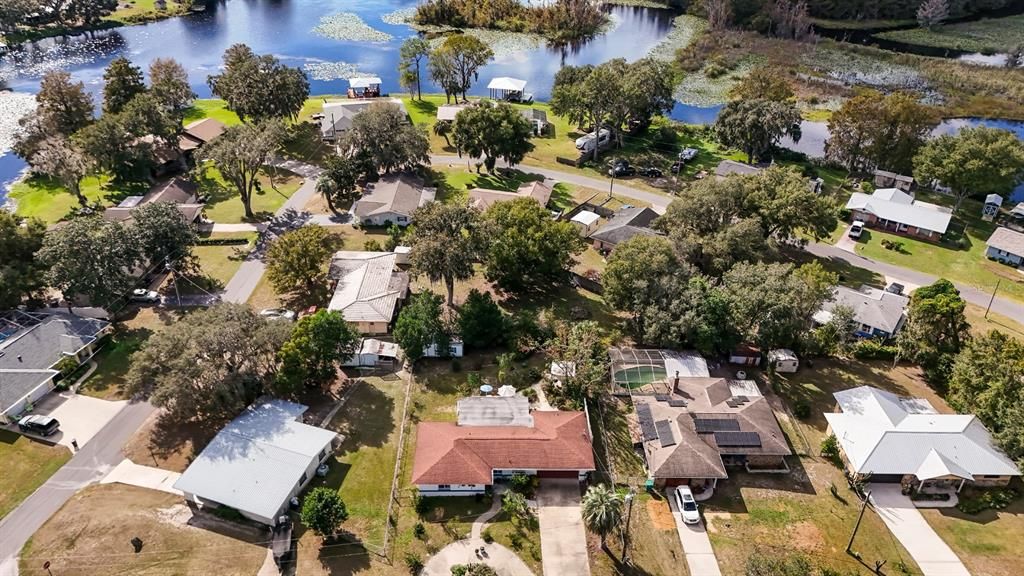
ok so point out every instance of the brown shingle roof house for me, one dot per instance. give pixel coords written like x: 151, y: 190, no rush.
x: 200, y: 132
x: 705, y: 425
x: 177, y: 191
x: 454, y: 460
x: 484, y: 198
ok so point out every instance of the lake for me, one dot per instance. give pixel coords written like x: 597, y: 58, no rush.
x: 284, y: 28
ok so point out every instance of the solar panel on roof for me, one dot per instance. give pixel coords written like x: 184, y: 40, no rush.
x: 675, y: 403
x: 732, y: 403
x: 661, y: 397
x: 664, y: 428
x: 643, y: 413
x: 707, y: 425
x: 737, y: 439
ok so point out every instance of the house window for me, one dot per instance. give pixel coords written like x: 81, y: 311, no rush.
x: 444, y: 487
x: 302, y: 479
x: 866, y: 328
x: 402, y: 218
x: 368, y: 222
x: 991, y: 476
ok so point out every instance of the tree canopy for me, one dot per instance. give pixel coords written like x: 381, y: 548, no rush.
x: 162, y: 234
x: 122, y: 81
x: 482, y: 324
x: 446, y: 242
x: 582, y: 346
x: 411, y: 54
x: 317, y: 347
x: 756, y: 126
x: 297, y: 260
x: 240, y: 152
x: 763, y: 83
x: 323, y: 511
x: 975, y: 161
x: 259, y: 87
x: 492, y: 131
x: 382, y: 136
x: 338, y: 181
x: 420, y: 324
x: 21, y: 271
x: 528, y: 251
x: 640, y: 272
x: 168, y: 82
x: 872, y: 130
x: 935, y: 331
x: 602, y: 510
x: 455, y: 63
x: 209, y: 365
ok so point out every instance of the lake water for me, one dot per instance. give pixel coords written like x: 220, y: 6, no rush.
x: 284, y: 28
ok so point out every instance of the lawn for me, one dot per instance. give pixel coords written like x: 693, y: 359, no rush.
x: 988, y: 35
x: 91, y: 536
x: 988, y: 543
x: 211, y: 108
x: 225, y: 206
x: 27, y: 465
x: 964, y: 263
x: 654, y: 543
x: 46, y: 199
x: 217, y: 263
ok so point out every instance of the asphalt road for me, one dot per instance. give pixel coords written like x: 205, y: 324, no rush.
x: 88, y: 465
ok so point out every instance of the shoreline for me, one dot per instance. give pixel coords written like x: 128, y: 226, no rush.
x: 16, y: 39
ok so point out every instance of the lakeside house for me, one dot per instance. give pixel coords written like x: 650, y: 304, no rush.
x: 258, y: 462
x: 484, y: 198
x: 876, y: 313
x: 197, y: 134
x: 183, y: 194
x: 368, y: 290
x: 336, y: 118
x: 33, y: 345
x: 894, y: 439
x: 623, y: 225
x: 364, y: 87
x: 1006, y: 246
x: 893, y: 210
x: 728, y: 168
x: 392, y: 200
x: 886, y: 179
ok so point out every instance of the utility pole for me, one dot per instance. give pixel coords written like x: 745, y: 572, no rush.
x: 625, y: 532
x: 611, y: 183
x: 863, y: 507
x: 992, y: 299
x: 177, y: 294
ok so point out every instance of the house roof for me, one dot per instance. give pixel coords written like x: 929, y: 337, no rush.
x: 894, y: 176
x: 449, y: 111
x: 177, y: 191
x: 585, y: 217
x: 368, y: 287
x: 1018, y: 210
x: 494, y: 411
x: 625, y: 224
x: 364, y: 82
x: 681, y: 442
x: 484, y: 198
x: 896, y: 206
x: 730, y: 167
x: 882, y: 433
x: 205, y: 130
x: 337, y: 116
x: 507, y: 83
x: 447, y: 453
x: 1007, y: 240
x: 31, y: 343
x: 257, y: 460
x: 871, y: 306
x: 995, y: 199
x: 393, y: 194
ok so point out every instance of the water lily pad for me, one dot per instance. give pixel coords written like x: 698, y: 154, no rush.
x: 502, y: 43
x: 349, y: 26
x: 13, y: 106
x: 698, y: 89
x: 685, y: 29
x: 332, y: 70
x: 400, y: 16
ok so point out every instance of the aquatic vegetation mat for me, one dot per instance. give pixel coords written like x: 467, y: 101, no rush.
x: 332, y: 70
x: 685, y: 29
x: 400, y: 16
x: 349, y: 26
x: 502, y: 43
x: 13, y: 105
x: 699, y: 89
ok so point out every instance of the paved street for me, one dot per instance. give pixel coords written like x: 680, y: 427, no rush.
x: 700, y: 557
x: 934, y: 556
x: 563, y: 540
x: 90, y: 464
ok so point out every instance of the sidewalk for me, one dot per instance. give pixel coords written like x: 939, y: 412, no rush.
x: 933, y: 556
x: 128, y: 472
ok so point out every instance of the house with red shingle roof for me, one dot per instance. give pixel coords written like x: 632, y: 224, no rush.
x: 464, y: 458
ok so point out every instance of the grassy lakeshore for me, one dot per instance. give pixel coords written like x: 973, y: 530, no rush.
x: 127, y: 13
x: 988, y: 36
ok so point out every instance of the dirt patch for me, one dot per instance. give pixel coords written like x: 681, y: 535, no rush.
x: 660, y: 515
x: 711, y: 520
x: 805, y: 536
x: 168, y: 445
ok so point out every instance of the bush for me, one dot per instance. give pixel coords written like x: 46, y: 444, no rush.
x: 372, y: 246
x: 873, y: 349
x: 473, y: 570
x: 413, y: 562
x: 419, y: 530
x: 830, y: 449
x: 221, y: 241
x: 66, y: 366
x: 421, y: 505
x: 529, y: 393
x: 516, y: 541
x: 323, y: 511
x: 801, y: 409
x: 487, y: 536
x: 714, y: 70
x: 996, y: 499
x: 521, y: 483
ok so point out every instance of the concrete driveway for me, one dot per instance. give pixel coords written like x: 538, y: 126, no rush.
x: 700, y: 557
x: 80, y: 417
x: 905, y: 522
x: 563, y: 540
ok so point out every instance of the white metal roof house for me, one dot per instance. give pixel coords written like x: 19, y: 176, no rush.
x: 368, y: 289
x: 258, y: 461
x: 31, y: 346
x: 586, y: 222
x: 1006, y: 246
x: 392, y: 200
x: 893, y: 210
x: 876, y: 313
x: 899, y: 439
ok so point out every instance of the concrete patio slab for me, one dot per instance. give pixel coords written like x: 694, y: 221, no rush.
x: 128, y: 472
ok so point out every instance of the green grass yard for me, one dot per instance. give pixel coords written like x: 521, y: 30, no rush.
x: 988, y: 542
x: 49, y: 201
x: 27, y: 465
x: 225, y: 206
x: 988, y: 35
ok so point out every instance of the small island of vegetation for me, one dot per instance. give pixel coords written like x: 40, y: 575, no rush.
x: 560, y: 21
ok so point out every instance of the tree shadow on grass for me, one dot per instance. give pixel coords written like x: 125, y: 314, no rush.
x: 366, y: 420
x: 341, y: 555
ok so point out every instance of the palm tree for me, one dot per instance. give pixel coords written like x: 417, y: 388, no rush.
x: 506, y: 364
x: 443, y: 128
x: 326, y: 187
x: 514, y: 504
x: 602, y: 511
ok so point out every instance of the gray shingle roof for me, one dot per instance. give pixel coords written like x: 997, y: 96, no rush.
x: 890, y: 204
x: 255, y: 463
x: 625, y: 224
x: 1007, y: 240
x: 368, y: 286
x: 876, y: 308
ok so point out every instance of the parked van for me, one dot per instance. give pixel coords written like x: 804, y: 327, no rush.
x: 39, y: 424
x: 586, y: 143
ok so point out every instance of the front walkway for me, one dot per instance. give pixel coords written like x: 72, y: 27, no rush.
x: 563, y: 540
x: 908, y: 526
x: 128, y: 472
x: 504, y: 561
x: 700, y: 557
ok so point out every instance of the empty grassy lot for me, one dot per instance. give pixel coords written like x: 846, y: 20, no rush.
x: 988, y: 35
x: 27, y: 465
x: 91, y: 536
x: 988, y: 543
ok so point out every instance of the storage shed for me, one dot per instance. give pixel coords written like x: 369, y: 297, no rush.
x: 784, y: 360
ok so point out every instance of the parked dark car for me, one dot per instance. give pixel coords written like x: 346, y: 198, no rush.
x: 39, y: 424
x: 620, y: 169
x: 895, y: 288
x: 651, y: 172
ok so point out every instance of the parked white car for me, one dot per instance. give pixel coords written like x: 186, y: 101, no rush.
x: 687, y: 505
x: 277, y: 314
x: 586, y: 143
x: 856, y: 229
x: 143, y: 295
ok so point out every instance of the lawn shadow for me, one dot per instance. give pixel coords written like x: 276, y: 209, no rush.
x: 115, y: 191
x: 342, y: 554
x: 849, y: 275
x: 171, y: 438
x: 365, y: 420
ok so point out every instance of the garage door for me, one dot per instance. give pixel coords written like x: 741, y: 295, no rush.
x: 886, y: 478
x: 558, y: 474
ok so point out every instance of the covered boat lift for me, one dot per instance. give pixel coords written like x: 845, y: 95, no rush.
x: 509, y: 89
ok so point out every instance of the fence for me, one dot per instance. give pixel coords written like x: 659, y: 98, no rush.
x: 586, y: 283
